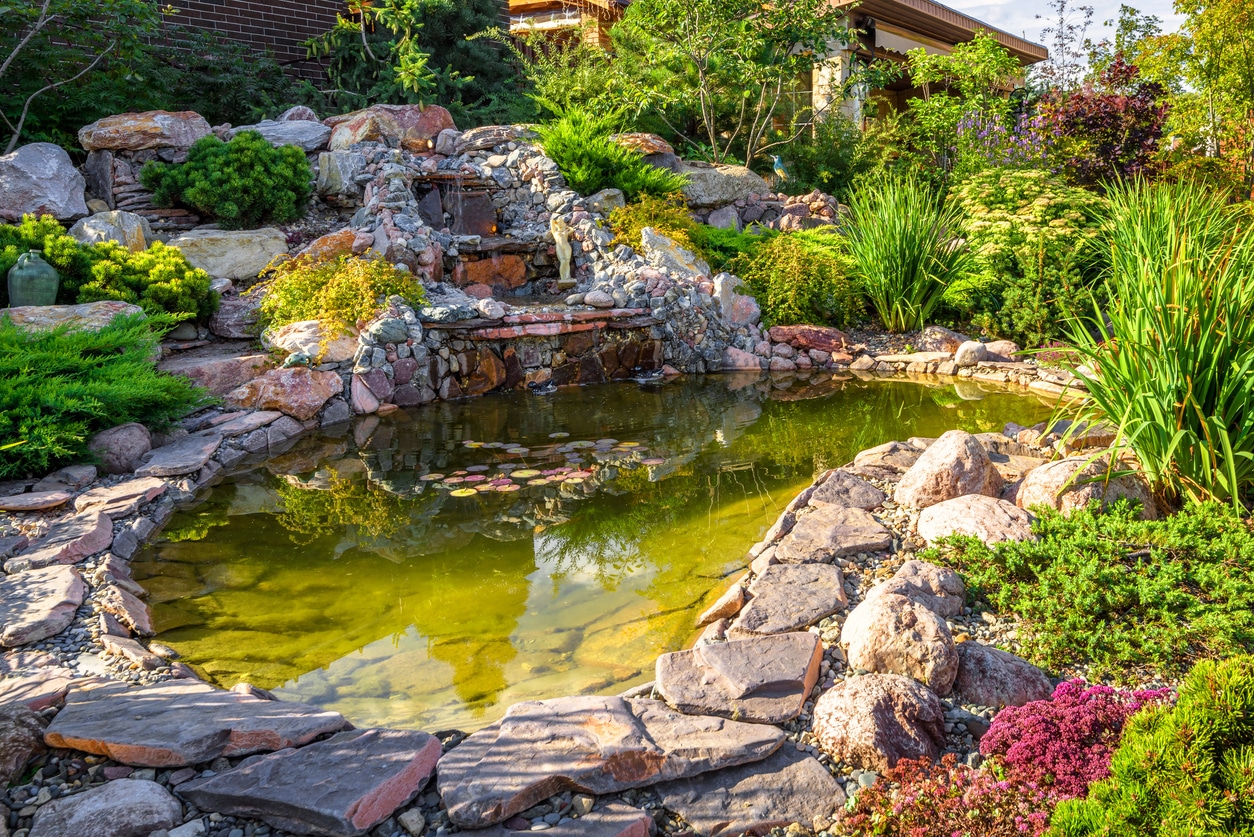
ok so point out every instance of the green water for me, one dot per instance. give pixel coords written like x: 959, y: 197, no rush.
x: 336, y: 575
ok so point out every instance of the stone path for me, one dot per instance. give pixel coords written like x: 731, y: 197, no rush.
x: 787, y: 597
x: 37, y: 604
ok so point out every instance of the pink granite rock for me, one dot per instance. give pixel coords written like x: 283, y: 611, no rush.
x: 1073, y: 483
x: 34, y: 501
x: 297, y: 391
x: 126, y: 808
x: 120, y: 448
x: 140, y: 131
x: 977, y: 516
x: 954, y: 465
x: 37, y: 604
x: 988, y: 676
x: 875, y: 720
x: 891, y: 634
x: 830, y: 532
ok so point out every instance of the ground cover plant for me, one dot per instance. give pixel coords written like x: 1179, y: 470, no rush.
x: 342, y: 293
x: 1121, y: 594
x: 579, y: 142
x: 59, y: 387
x: 802, y: 277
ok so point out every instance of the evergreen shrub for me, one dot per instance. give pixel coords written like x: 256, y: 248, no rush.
x: 340, y: 293
x: 802, y: 278
x: 580, y: 144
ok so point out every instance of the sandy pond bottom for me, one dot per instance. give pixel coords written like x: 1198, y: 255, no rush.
x: 362, y: 571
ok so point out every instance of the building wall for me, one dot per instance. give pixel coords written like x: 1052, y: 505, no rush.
x: 275, y: 26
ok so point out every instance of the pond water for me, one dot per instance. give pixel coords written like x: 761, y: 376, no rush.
x: 378, y: 570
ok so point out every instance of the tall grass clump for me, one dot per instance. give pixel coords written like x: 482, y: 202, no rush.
x: 1171, y: 358
x: 902, y: 238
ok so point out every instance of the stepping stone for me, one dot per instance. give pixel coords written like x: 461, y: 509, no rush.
x: 842, y: 488
x: 185, y: 456
x: 588, y: 744
x: 37, y: 604
x: 35, y: 501
x: 67, y: 542
x: 343, y: 786
x: 764, y: 679
x: 122, y: 499
x: 614, y: 820
x: 71, y: 477
x: 830, y: 532
x: 125, y: 808
x: 177, y: 723
x: 788, y: 597
x: 784, y: 788
x: 38, y: 689
x: 246, y: 423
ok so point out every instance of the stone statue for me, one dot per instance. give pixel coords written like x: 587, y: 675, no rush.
x: 561, y: 239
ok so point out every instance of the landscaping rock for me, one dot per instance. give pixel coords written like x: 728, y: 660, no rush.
x: 231, y: 254
x: 710, y: 186
x: 40, y: 179
x: 1073, y: 483
x: 987, y: 518
x: 614, y: 820
x: 841, y: 488
x: 120, y: 449
x: 970, y: 353
x: 140, y: 131
x: 787, y: 597
x: 830, y: 532
x: 129, y: 610
x: 939, y: 589
x: 121, y: 499
x: 988, y: 676
x: 219, y: 375
x: 306, y: 134
x: 954, y: 465
x: 665, y: 253
x: 43, y: 687
x: 784, y: 788
x: 734, y: 358
x: 67, y: 542
x: 892, y: 634
x: 90, y: 316
x: 875, y: 720
x: 180, y: 723
x: 311, y: 337
x: 21, y: 739
x: 37, y: 604
x: 938, y: 339
x: 236, y: 319
x: 807, y: 337
x: 69, y: 478
x: 34, y: 501
x: 763, y: 680
x: 889, y: 458
x: 588, y: 744
x: 727, y: 606
x: 298, y: 391
x: 343, y: 786
x: 126, y: 228
x: 413, y: 127
x: 125, y: 808
x: 1002, y: 351
x: 605, y: 201
x: 185, y: 456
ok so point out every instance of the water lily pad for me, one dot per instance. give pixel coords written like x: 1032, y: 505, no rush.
x: 475, y: 478
x: 560, y: 434
x: 500, y: 482
x: 573, y: 481
x: 454, y: 480
x: 460, y: 473
x: 578, y: 445
x: 580, y: 475
x: 607, y: 442
x: 629, y: 444
x: 431, y: 477
x: 525, y: 473
x: 508, y: 488
x: 463, y: 492
x: 653, y: 460
x: 494, y: 444
x: 468, y: 443
x: 539, y: 481
x: 476, y: 468
x: 485, y: 488
x: 518, y: 450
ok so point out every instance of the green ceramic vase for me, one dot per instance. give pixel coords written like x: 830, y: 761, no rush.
x: 32, y: 281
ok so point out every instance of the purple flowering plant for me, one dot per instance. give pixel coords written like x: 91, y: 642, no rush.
x: 987, y: 140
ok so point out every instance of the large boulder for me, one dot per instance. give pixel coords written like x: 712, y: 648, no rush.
x: 892, y: 634
x: 314, y: 339
x: 988, y: 676
x: 337, y: 176
x: 231, y: 254
x: 298, y: 391
x: 139, y: 131
x: 875, y: 720
x: 710, y: 186
x: 939, y: 589
x: 90, y: 316
x: 40, y: 179
x: 120, y: 449
x: 665, y: 253
x: 990, y: 519
x: 126, y: 228
x: 954, y: 465
x: 307, y: 135
x: 1073, y: 483
x: 125, y: 808
x: 413, y: 127
x: 940, y: 339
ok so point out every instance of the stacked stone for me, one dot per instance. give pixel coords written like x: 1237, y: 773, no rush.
x: 782, y: 212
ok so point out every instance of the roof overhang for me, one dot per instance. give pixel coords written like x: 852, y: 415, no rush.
x: 937, y: 21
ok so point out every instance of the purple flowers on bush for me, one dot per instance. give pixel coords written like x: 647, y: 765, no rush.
x: 986, y: 141
x: 1065, y: 743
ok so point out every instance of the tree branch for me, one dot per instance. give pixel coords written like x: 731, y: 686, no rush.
x: 17, y: 132
x: 43, y: 20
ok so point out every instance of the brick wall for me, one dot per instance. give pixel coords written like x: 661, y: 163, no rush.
x: 276, y: 26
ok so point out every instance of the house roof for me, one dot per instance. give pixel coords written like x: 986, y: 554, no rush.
x: 938, y: 21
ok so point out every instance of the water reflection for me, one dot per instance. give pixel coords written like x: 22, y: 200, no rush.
x: 347, y: 573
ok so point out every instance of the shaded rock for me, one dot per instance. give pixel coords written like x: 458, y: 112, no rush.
x: 34, y: 501
x: 140, y: 131
x: 666, y: 253
x: 90, y: 316
x: 605, y: 201
x: 297, y: 391
x: 727, y: 605
x: 122, y: 499
x: 875, y: 720
x: 69, y: 478
x: 488, y: 375
x: 987, y: 518
x: 184, y: 456
x: 807, y: 337
x: 1073, y: 483
x: 988, y: 676
x: 784, y: 788
x: 790, y: 596
x: 306, y: 134
x: 412, y: 127
x: 126, y: 228
x: 954, y: 465
x: 37, y: 690
x: 764, y: 679
x: 939, y: 589
x: 40, y: 179
x: 337, y: 176
x: 21, y: 739
x: 344, y: 785
x: 247, y: 422
x: 236, y: 319
x: 614, y: 820
x: 180, y: 723
x: 890, y: 457
x: 710, y: 186
x: 120, y: 449
x: 938, y: 339
x: 734, y: 358
x: 37, y: 604
x: 969, y: 354
x: 588, y: 744
x: 311, y: 337
x: 892, y: 634
x: 1002, y: 351
x: 830, y: 532
x: 841, y: 488
x: 231, y: 254
x: 125, y: 808
x: 220, y: 375
x: 725, y: 218
x: 67, y: 542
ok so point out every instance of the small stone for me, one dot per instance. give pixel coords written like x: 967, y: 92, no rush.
x: 126, y: 808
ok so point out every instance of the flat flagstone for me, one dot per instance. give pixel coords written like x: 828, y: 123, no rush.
x: 784, y: 788
x: 614, y: 820
x: 182, y: 457
x: 788, y: 597
x: 842, y: 488
x: 66, y: 542
x: 122, y: 499
x: 125, y: 808
x: 37, y: 688
x: 37, y: 604
x: 588, y: 744
x: 763, y: 679
x: 246, y: 423
x: 342, y: 786
x: 179, y: 723
x: 34, y: 501
x: 830, y: 532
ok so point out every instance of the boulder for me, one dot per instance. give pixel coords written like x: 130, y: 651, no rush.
x: 644, y: 143
x: 1073, y: 483
x: 763, y: 679
x: 126, y: 228
x: 888, y: 458
x: 90, y: 316
x: 988, y: 676
x: 875, y: 720
x: 977, y: 516
x: 892, y: 634
x: 21, y: 739
x: 788, y: 597
x: 306, y: 134
x: 140, y: 131
x: 122, y: 808
x: 298, y: 391
x: 588, y: 744
x: 830, y: 532
x: 1002, y: 351
x: 614, y: 820
x: 67, y: 541
x: 725, y: 218
x: 737, y: 308
x: 119, y: 449
x: 343, y: 242
x: 337, y: 175
x: 663, y: 252
x: 969, y: 354
x: 219, y: 375
x: 807, y: 337
x: 938, y: 339
x: 185, y: 456
x: 734, y: 358
x: 605, y: 201
x: 786, y: 787
x: 954, y: 465
x: 841, y: 488
x: 314, y: 339
x: 40, y: 179
x: 711, y: 185
x: 236, y: 319
x: 343, y: 786
x: 37, y: 604
x: 939, y: 589
x: 413, y: 127
x: 231, y: 254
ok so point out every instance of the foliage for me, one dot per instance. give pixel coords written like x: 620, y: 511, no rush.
x: 242, y: 183
x: 1065, y: 34
x: 902, y: 238
x: 666, y: 214
x: 984, y: 142
x: 1173, y: 350
x: 58, y: 387
x: 71, y: 259
x: 720, y: 247
x: 565, y: 73
x: 920, y: 799
x: 1182, y: 770
x: 340, y: 292
x: 1121, y: 593
x: 802, y: 278
x: 1065, y: 743
x: 579, y: 142
x: 829, y: 157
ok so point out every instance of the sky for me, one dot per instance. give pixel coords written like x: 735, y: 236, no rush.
x: 1018, y: 17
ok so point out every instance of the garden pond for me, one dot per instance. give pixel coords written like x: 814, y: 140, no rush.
x: 431, y: 568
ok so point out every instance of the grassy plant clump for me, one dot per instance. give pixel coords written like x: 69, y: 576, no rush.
x: 1172, y: 354
x: 340, y: 293
x: 903, y: 238
x: 242, y: 183
x: 59, y: 387
x: 1180, y: 771
x: 802, y: 278
x: 1119, y: 593
x: 579, y: 142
